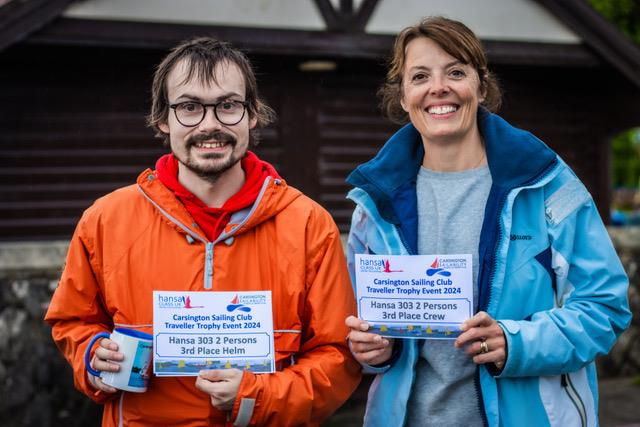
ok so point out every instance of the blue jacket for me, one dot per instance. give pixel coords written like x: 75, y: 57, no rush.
x: 548, y: 274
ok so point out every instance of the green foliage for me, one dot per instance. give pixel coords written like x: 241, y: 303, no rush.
x: 626, y: 159
x: 625, y: 14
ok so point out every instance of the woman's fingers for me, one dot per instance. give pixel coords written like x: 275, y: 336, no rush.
x: 484, y: 340
x: 367, y: 348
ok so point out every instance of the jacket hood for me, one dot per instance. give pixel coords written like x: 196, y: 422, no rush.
x: 274, y: 196
x: 514, y: 157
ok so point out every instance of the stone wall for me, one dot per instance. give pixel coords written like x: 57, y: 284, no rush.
x: 624, y: 358
x: 36, y: 384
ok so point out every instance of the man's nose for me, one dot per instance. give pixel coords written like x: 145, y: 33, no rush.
x: 210, y: 121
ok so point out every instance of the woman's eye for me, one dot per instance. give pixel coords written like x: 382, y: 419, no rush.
x: 418, y: 77
x: 458, y: 73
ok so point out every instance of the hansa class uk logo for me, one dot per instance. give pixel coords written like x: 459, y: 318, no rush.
x: 176, y: 301
x: 376, y: 266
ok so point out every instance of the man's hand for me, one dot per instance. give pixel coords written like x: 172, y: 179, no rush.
x: 367, y: 348
x: 484, y: 339
x: 222, y: 385
x: 106, y: 359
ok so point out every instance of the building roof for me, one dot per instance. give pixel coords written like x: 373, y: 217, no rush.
x: 552, y: 32
x: 19, y: 19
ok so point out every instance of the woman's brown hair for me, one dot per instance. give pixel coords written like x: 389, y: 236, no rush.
x: 457, y: 40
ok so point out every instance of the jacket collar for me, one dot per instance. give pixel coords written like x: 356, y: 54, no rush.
x: 515, y: 157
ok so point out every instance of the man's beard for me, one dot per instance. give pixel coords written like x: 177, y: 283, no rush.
x: 213, y: 172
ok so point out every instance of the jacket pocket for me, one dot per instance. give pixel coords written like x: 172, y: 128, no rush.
x: 574, y: 396
x: 568, y: 400
x: 287, y: 344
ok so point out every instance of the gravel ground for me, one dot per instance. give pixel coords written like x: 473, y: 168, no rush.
x: 619, y: 405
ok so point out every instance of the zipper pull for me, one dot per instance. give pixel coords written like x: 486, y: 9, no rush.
x: 563, y: 380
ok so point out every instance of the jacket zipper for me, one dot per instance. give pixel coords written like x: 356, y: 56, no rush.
x: 569, y: 388
x: 503, y: 200
x: 209, y: 246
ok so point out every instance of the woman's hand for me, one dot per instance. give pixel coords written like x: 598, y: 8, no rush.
x: 484, y: 339
x: 368, y: 348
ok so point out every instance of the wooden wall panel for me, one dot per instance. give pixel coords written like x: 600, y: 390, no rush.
x: 73, y: 128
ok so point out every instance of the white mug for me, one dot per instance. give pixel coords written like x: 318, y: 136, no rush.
x: 137, y: 348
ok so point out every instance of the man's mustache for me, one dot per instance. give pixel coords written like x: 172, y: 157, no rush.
x: 218, y: 136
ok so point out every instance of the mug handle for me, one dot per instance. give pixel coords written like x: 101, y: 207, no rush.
x: 87, y: 363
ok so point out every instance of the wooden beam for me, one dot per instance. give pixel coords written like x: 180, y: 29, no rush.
x: 329, y: 14
x: 346, y: 19
x: 364, y: 14
x: 600, y: 35
x: 18, y: 19
x: 145, y: 35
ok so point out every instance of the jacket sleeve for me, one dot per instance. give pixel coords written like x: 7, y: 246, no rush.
x: 357, y: 244
x: 591, y: 308
x: 76, y: 312
x: 324, y: 374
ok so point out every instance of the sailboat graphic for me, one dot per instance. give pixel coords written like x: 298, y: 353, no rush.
x: 235, y: 305
x: 435, y: 269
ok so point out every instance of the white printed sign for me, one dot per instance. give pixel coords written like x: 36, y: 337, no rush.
x: 414, y: 296
x: 212, y: 330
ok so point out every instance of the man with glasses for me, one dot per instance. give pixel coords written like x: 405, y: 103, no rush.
x: 212, y: 216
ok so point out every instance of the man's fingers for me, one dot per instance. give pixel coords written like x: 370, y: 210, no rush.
x: 98, y: 384
x: 104, y: 354
x: 104, y: 365
x: 205, y: 385
x: 356, y: 323
x: 219, y: 374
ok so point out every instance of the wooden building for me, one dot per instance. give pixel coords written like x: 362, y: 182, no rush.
x: 75, y: 83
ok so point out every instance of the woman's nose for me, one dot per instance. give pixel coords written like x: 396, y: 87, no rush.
x: 439, y: 86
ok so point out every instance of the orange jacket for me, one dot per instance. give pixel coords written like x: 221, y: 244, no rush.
x: 140, y: 238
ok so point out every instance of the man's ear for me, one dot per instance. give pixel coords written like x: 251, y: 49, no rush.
x: 253, y: 121
x: 163, y: 127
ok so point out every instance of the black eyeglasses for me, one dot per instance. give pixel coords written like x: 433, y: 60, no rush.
x: 191, y: 113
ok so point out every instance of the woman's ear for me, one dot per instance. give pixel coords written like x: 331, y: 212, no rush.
x: 484, y: 79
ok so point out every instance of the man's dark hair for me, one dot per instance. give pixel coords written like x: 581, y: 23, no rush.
x: 202, y: 56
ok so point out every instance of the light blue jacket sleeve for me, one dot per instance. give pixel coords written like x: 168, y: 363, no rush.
x: 356, y: 244
x: 592, y: 306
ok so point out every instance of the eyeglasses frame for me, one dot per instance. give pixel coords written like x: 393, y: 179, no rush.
x: 214, y: 106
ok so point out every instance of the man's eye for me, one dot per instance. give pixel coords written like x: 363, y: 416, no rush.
x: 190, y: 107
x: 228, y: 106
